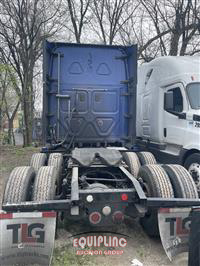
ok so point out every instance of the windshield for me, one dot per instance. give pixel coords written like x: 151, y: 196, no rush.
x: 193, y: 91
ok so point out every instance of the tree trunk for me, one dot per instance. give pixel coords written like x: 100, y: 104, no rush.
x: 0, y: 119
x: 27, y: 123
x: 28, y: 108
x: 174, y: 44
x: 13, y: 138
x: 10, y: 129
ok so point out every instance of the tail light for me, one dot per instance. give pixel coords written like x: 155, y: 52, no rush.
x: 106, y: 210
x: 124, y: 197
x: 95, y: 217
x: 118, y: 217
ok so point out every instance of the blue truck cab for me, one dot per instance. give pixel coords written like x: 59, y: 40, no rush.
x: 89, y: 94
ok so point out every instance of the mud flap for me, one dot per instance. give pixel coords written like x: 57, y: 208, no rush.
x: 174, y: 226
x: 194, y: 239
x: 27, y: 238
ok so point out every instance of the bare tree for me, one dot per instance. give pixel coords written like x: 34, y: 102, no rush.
x: 24, y: 25
x: 110, y: 17
x: 186, y: 25
x: 164, y: 27
x: 175, y: 24
x: 11, y: 112
x: 76, y: 17
x: 3, y: 87
x: 10, y: 99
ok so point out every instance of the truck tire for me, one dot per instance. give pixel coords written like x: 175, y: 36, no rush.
x: 156, y: 183
x: 38, y: 160
x: 192, y: 164
x: 17, y: 188
x: 132, y: 161
x: 44, y: 187
x: 56, y: 160
x: 146, y: 158
x: 182, y: 182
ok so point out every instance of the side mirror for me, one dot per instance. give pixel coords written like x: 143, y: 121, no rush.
x: 168, y: 101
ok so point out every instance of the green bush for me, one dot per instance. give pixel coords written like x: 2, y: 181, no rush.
x: 4, y: 140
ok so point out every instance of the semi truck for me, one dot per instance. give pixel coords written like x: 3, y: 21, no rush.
x: 87, y: 169
x: 168, y: 111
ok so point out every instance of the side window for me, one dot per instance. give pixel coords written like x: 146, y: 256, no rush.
x: 177, y: 100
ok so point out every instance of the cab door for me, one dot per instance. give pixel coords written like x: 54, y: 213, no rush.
x: 174, y: 126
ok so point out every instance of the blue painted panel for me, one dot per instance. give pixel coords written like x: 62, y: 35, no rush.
x: 102, y: 102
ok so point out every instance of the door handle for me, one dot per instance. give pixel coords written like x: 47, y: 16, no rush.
x: 63, y: 96
x: 165, y: 132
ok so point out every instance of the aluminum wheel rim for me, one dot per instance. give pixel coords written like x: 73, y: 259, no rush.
x: 194, y: 170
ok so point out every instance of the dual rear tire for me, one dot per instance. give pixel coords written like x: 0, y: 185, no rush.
x: 38, y: 160
x: 56, y: 160
x: 182, y: 182
x: 24, y: 185
x: 45, y: 184
x: 132, y: 161
x: 155, y: 183
x: 36, y: 182
x: 135, y: 160
x: 146, y: 157
x: 18, y: 185
x: 159, y: 181
x: 164, y: 181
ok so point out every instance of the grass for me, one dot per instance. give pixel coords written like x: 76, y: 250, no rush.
x: 23, y: 151
x: 66, y: 256
x: 12, y: 156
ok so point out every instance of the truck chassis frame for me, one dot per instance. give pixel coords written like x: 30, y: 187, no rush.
x: 136, y: 196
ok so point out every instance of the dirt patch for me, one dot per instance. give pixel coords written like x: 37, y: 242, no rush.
x: 139, y: 245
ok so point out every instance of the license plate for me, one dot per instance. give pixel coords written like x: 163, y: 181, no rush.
x: 27, y: 238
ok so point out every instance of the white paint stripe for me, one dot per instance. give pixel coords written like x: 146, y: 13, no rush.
x: 172, y: 210
x: 27, y: 215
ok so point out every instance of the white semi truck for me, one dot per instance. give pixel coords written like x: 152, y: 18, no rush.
x: 168, y: 111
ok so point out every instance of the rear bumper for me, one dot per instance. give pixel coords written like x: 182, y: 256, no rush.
x: 66, y: 205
